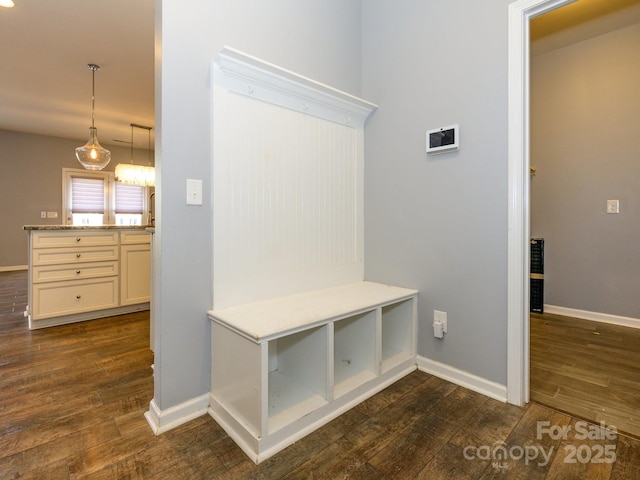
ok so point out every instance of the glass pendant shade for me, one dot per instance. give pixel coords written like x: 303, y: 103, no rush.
x: 130, y: 174
x: 92, y: 155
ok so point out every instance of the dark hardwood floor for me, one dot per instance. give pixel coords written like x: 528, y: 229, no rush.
x: 588, y: 369
x: 72, y: 400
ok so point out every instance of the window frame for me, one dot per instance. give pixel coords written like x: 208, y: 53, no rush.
x: 109, y: 217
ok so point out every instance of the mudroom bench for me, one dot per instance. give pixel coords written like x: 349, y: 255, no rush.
x: 283, y: 367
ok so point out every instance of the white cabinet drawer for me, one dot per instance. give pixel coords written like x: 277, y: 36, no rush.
x: 54, y: 239
x: 56, y: 256
x: 65, y: 298
x: 55, y: 273
x: 134, y: 237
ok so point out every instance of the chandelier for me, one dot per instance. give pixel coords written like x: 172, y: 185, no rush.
x: 132, y: 174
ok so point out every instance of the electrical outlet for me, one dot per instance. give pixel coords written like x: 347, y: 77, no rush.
x: 441, y: 317
x: 43, y: 214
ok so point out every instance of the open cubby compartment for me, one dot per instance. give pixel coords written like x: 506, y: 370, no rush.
x: 398, y: 332
x: 298, y: 376
x: 237, y: 378
x: 354, y: 352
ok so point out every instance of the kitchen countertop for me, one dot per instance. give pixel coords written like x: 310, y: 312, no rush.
x: 86, y: 227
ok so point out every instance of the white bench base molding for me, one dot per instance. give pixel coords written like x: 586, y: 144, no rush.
x: 259, y: 449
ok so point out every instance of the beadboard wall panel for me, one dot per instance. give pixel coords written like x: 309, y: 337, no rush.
x: 288, y: 200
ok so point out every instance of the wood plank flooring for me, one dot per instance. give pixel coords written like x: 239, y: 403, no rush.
x: 72, y: 400
x: 588, y: 369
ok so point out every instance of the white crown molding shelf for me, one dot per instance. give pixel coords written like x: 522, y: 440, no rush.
x: 247, y: 75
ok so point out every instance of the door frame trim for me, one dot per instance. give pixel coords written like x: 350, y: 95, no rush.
x: 520, y: 14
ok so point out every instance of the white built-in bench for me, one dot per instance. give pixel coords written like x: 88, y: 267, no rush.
x: 282, y: 368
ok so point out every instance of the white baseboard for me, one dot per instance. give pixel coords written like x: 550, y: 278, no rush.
x: 161, y: 421
x: 594, y: 316
x: 14, y: 268
x: 464, y: 379
x: 84, y: 316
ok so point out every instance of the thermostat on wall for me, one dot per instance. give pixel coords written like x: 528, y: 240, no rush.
x: 444, y: 139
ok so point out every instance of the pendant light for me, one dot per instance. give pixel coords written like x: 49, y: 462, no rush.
x: 131, y: 174
x: 93, y: 156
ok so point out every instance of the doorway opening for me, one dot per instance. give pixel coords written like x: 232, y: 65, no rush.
x: 521, y: 14
x: 582, y: 358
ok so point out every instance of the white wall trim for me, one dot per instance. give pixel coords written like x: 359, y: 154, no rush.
x: 161, y: 421
x: 250, y: 76
x: 520, y: 14
x: 593, y: 316
x: 14, y: 268
x: 463, y: 378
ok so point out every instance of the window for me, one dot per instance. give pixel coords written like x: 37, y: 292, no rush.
x: 129, y: 204
x: 96, y: 198
x: 87, y: 200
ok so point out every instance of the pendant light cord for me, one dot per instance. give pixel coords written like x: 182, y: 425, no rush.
x: 132, y: 144
x: 93, y: 97
x: 93, y: 67
x: 148, y: 129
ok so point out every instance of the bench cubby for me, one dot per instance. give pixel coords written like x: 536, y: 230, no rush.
x: 282, y: 368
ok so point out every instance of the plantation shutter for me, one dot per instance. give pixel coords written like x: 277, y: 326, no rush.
x: 87, y: 195
x: 129, y: 198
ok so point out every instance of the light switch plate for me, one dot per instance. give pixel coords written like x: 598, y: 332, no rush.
x: 194, y: 192
x: 613, y: 206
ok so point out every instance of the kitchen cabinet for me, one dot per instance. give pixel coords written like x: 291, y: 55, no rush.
x: 135, y: 267
x: 78, y: 274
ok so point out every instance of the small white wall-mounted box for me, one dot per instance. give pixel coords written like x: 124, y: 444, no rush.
x: 194, y: 192
x: 443, y: 139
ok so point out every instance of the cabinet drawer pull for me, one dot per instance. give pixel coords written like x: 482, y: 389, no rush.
x: 77, y: 239
x: 77, y: 255
x: 77, y: 272
x: 78, y: 296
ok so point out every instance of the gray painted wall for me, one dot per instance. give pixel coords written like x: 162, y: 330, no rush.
x: 319, y: 39
x: 31, y: 182
x: 586, y: 148
x: 439, y: 223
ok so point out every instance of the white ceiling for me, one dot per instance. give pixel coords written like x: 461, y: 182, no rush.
x: 581, y: 20
x: 45, y: 84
